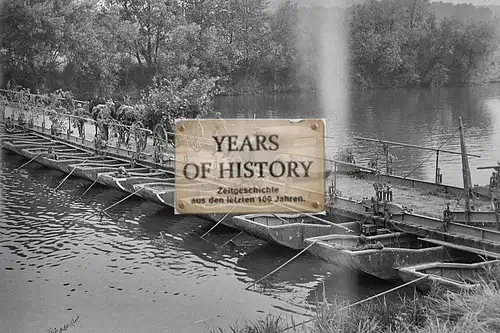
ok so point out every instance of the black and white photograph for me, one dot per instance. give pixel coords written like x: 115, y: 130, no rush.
x: 249, y: 166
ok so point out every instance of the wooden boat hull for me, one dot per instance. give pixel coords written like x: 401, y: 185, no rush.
x: 160, y: 193
x: 458, y: 233
x: 332, y: 255
x: 61, y: 165
x: 93, y: 171
x: 216, y: 217
x: 385, y: 263
x: 292, y: 234
x: 127, y: 184
x: 383, y: 255
x: 65, y: 165
x: 448, y: 276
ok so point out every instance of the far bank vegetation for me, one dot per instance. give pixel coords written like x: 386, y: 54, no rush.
x: 197, y: 49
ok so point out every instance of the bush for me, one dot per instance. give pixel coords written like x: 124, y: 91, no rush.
x: 171, y: 99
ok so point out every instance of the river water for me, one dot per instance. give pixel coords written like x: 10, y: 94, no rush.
x: 418, y: 116
x: 153, y: 273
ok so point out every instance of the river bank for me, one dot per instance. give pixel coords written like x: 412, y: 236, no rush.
x: 252, y: 90
x: 439, y: 311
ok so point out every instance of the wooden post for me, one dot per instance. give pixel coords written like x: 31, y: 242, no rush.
x: 386, y: 151
x: 497, y: 215
x: 334, y: 177
x: 68, y: 131
x: 437, y: 167
x: 465, y: 173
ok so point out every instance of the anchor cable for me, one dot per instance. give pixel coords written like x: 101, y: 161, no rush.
x: 16, y: 169
x: 280, y: 267
x: 432, y: 154
x: 220, y: 221
x: 95, y: 181
x: 362, y: 301
x: 69, y: 174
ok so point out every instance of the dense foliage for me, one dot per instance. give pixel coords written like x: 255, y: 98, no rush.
x: 114, y: 47
x: 401, y: 43
x: 168, y: 100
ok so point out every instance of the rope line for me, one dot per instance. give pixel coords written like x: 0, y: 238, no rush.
x: 432, y: 154
x: 220, y: 221
x: 362, y: 301
x: 229, y: 241
x: 69, y: 174
x: 280, y: 267
x: 16, y: 169
x: 95, y: 181
x: 128, y: 196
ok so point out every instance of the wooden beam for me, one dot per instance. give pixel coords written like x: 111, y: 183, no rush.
x: 465, y: 172
x: 412, y: 146
x: 462, y: 248
x: 490, y: 167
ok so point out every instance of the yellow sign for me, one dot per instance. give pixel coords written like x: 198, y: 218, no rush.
x: 249, y: 166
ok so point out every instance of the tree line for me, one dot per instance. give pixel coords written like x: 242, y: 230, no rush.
x: 173, y: 52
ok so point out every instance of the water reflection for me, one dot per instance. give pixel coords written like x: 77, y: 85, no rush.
x: 422, y: 117
x: 305, y: 277
x: 144, y: 270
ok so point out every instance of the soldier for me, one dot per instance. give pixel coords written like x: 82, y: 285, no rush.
x: 122, y: 173
x: 51, y: 154
x: 79, y: 122
x: 9, y: 126
x: 361, y: 242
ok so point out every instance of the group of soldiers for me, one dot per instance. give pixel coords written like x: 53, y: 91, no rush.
x: 21, y: 121
x: 100, y: 110
x: 374, y: 162
x: 383, y: 191
x: 120, y: 116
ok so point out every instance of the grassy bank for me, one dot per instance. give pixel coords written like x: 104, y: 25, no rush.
x: 437, y: 312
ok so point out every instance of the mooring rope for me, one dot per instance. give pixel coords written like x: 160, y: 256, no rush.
x: 103, y: 212
x: 229, y: 241
x: 128, y: 196
x: 220, y: 221
x: 432, y: 154
x: 362, y: 301
x: 95, y: 181
x: 280, y: 267
x: 69, y: 174
x: 27, y: 162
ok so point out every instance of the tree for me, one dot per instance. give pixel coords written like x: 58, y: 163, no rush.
x: 31, y: 37
x: 167, y: 100
x: 283, y: 53
x: 153, y: 21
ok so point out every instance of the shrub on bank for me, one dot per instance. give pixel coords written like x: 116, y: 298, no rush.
x: 437, y: 312
x: 170, y: 99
